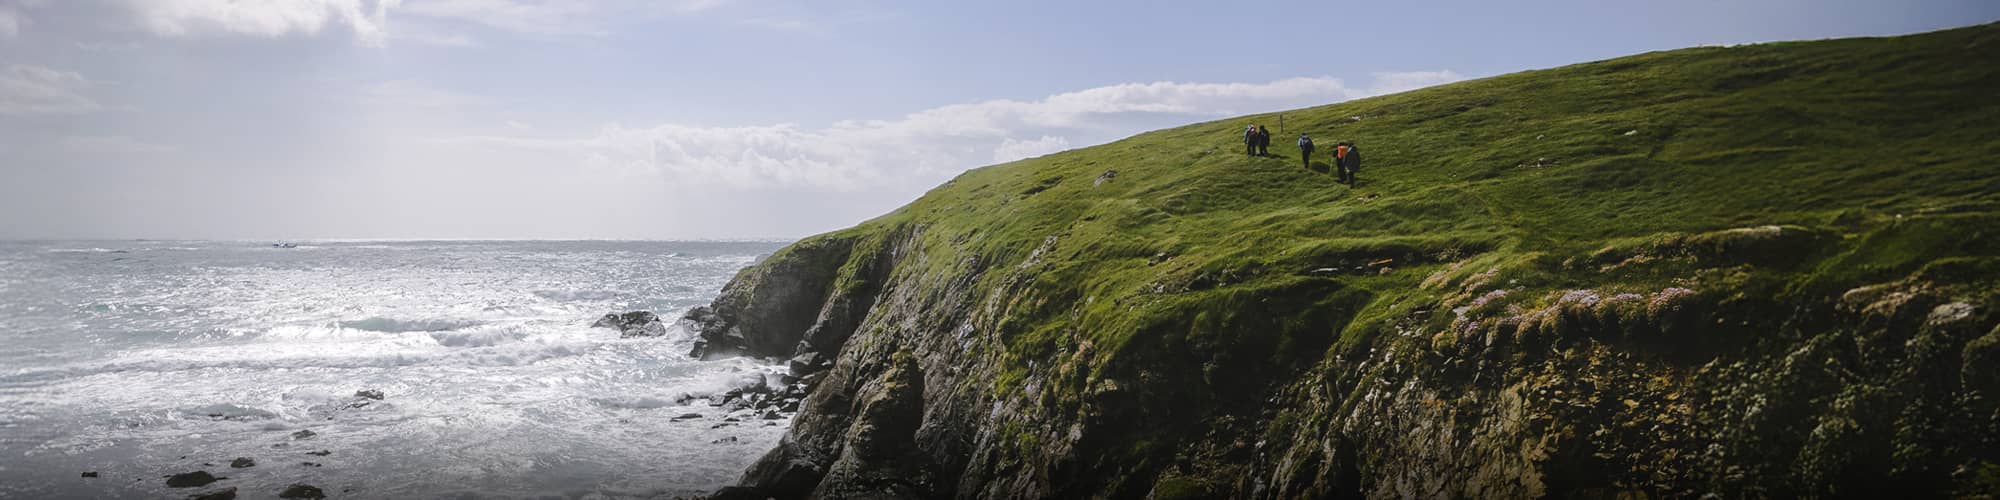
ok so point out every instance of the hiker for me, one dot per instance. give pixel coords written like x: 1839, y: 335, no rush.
x: 1347, y: 159
x: 1306, y: 150
x: 1250, y: 140
x: 1263, y: 141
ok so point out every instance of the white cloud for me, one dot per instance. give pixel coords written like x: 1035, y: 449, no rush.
x: 369, y: 20
x: 551, y: 17
x: 1012, y: 149
x: 35, y: 90
x: 113, y: 145
x: 920, y: 148
x: 10, y: 22
x: 526, y: 16
x: 1395, y: 82
x: 366, y: 18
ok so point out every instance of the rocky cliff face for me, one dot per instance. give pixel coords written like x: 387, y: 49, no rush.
x: 1208, y: 326
x: 1882, y: 389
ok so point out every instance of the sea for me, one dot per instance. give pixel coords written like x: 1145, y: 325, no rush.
x: 131, y: 361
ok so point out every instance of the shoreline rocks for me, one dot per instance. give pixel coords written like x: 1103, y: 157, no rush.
x: 192, y: 479
x: 298, y: 490
x: 633, y: 324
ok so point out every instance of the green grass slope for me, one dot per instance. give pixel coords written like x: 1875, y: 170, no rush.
x: 1894, y: 139
x: 1692, y: 208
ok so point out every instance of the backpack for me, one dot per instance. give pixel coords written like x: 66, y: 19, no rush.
x: 1306, y: 143
x: 1353, y: 158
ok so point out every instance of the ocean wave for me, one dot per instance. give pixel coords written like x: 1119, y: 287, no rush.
x: 585, y: 295
x: 84, y: 250
x: 478, y: 338
x: 228, y: 411
x: 393, y: 325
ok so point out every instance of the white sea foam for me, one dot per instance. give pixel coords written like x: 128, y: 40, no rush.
x: 494, y: 385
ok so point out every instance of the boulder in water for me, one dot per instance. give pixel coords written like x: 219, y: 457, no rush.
x: 374, y: 394
x: 224, y: 494
x: 302, y: 491
x: 633, y: 324
x: 192, y: 479
x: 304, y: 434
x: 242, y: 462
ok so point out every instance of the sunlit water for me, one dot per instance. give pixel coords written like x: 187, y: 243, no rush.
x: 140, y: 359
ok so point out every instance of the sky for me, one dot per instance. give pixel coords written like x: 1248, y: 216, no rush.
x: 708, y: 119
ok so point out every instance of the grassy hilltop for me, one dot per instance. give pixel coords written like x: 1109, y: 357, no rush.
x: 1763, y: 270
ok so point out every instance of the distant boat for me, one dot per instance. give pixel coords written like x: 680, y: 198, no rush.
x: 285, y: 245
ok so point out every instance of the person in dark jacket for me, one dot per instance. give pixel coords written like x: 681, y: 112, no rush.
x: 1306, y: 150
x: 1263, y: 141
x: 1347, y: 159
x: 1250, y: 140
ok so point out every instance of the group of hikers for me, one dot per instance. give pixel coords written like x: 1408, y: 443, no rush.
x: 1346, y: 157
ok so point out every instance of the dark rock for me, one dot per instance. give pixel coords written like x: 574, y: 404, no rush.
x: 309, y: 464
x: 879, y: 457
x: 90, y: 474
x: 242, y: 462
x: 805, y: 364
x: 739, y: 493
x: 633, y: 324
x: 320, y: 453
x: 304, y: 434
x: 224, y: 494
x: 191, y: 479
x: 721, y: 425
x: 369, y: 394
x: 1102, y: 178
x: 687, y: 416
x: 770, y: 415
x: 789, y: 298
x: 791, y: 405
x: 301, y: 491
x: 730, y: 439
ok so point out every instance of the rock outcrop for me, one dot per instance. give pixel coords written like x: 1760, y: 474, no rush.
x: 631, y: 324
x: 806, y: 298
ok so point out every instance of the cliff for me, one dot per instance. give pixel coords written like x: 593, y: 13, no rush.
x: 1764, y: 270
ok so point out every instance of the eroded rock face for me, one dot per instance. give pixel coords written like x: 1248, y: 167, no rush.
x: 767, y: 308
x: 1586, y: 393
x: 879, y: 457
x: 807, y: 298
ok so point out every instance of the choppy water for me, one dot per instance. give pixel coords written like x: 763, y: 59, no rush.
x: 140, y: 359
